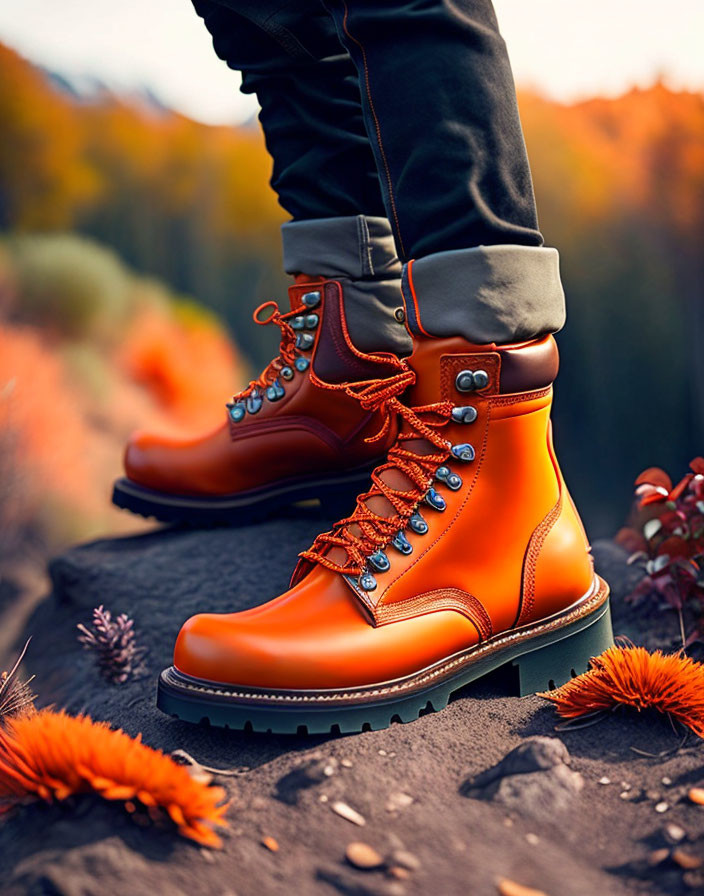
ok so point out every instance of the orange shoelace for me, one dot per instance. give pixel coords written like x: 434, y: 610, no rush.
x: 365, y: 531
x: 287, y: 354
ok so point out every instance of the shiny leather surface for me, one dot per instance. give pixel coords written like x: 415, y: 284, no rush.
x: 310, y: 430
x: 508, y: 548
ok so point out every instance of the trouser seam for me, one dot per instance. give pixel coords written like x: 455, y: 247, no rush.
x: 377, y: 128
x: 365, y: 247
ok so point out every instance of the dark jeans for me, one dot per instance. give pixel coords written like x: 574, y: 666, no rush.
x: 397, y: 108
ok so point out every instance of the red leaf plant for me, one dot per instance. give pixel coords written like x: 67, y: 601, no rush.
x: 668, y: 542
x: 672, y: 684
x: 52, y: 756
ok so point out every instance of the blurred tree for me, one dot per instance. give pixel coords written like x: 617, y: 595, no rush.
x: 620, y: 186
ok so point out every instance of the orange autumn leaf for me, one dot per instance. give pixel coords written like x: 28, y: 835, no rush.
x: 52, y: 755
x: 631, y: 676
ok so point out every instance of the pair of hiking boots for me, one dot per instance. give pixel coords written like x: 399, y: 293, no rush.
x: 462, y: 553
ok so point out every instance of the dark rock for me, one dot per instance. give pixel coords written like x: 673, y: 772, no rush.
x: 540, y: 794
x: 96, y: 869
x: 536, y: 754
x: 534, y: 779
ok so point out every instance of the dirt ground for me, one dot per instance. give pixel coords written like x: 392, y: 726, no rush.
x: 613, y: 835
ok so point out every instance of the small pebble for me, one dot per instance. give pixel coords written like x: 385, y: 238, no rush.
x: 382, y: 752
x: 363, y: 856
x: 329, y: 770
x: 686, y: 860
x: 405, y: 859
x: 506, y: 887
x: 323, y: 798
x: 348, y: 813
x: 346, y: 763
x: 398, y: 873
x: 652, y: 795
x: 398, y: 801
x: 662, y: 807
x: 666, y: 782
x: 674, y: 833
x: 604, y: 780
x: 658, y: 856
x: 207, y: 855
x: 270, y: 844
x: 696, y: 795
x: 533, y: 839
x: 625, y: 785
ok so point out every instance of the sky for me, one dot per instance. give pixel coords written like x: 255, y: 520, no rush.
x: 565, y: 49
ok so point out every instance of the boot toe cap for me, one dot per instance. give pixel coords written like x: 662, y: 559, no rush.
x: 140, y: 461
x: 209, y: 650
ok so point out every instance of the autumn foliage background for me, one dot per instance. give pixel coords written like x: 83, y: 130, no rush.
x: 134, y: 244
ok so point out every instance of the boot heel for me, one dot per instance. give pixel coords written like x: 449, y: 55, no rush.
x: 551, y: 666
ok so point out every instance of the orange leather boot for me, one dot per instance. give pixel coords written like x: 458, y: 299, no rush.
x: 466, y: 554
x: 285, y: 438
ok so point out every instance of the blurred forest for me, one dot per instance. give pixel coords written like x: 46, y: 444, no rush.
x: 113, y: 212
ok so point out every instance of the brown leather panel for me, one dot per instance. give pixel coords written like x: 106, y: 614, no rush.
x: 451, y: 365
x: 433, y: 601
x: 533, y: 366
x: 511, y: 370
x: 336, y: 360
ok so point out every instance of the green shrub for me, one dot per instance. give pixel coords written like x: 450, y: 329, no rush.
x: 69, y: 285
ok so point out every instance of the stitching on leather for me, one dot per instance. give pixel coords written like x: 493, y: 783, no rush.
x: 451, y: 365
x: 433, y: 601
x: 518, y: 397
x: 377, y: 127
x: 591, y: 604
x: 307, y: 424
x: 535, y: 546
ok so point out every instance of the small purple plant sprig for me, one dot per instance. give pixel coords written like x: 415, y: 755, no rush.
x: 117, y: 654
x: 16, y: 697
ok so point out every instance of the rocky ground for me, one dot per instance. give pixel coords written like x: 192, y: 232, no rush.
x: 597, y: 810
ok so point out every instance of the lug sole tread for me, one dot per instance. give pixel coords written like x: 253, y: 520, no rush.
x: 560, y: 655
x: 336, y: 493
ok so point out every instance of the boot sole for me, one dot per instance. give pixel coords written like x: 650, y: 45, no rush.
x: 547, y: 655
x: 336, y: 492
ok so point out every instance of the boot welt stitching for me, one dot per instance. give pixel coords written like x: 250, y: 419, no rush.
x: 585, y: 608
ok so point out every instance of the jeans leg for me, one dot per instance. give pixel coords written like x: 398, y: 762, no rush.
x: 441, y: 113
x: 307, y: 85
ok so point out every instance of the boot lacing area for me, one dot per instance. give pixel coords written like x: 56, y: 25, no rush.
x: 297, y: 333
x: 365, y: 535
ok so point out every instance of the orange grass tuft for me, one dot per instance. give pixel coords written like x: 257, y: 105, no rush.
x: 52, y: 755
x: 631, y: 676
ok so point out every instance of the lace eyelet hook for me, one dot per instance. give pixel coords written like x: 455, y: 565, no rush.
x: 272, y: 307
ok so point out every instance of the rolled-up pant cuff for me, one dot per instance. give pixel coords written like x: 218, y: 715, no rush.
x: 359, y: 251
x: 489, y: 294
